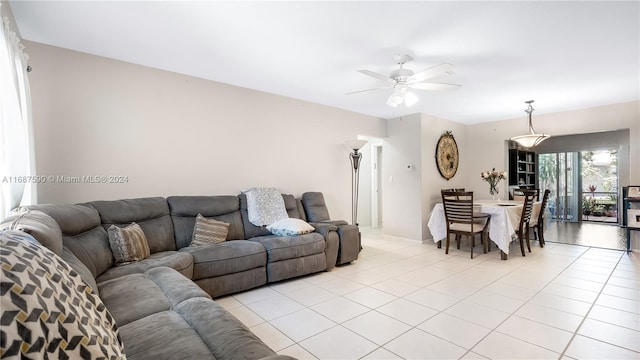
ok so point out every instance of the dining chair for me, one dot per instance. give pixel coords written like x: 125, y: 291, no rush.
x: 454, y: 189
x: 525, y: 218
x: 461, y: 219
x: 537, y: 223
x: 518, y: 195
x: 449, y: 190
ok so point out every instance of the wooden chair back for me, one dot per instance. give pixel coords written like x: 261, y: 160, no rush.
x: 543, y: 206
x: 518, y: 194
x: 458, y: 207
x: 527, y: 208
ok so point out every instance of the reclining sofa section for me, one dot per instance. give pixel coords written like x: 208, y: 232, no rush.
x: 250, y: 257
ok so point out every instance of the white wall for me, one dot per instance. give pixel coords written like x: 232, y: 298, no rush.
x: 172, y: 134
x: 432, y: 181
x: 487, y: 140
x: 402, y: 196
x: 481, y: 147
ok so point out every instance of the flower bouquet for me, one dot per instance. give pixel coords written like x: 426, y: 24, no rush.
x: 493, y: 177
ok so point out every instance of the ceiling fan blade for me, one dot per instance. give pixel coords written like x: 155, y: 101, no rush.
x: 378, y: 88
x: 434, y: 86
x: 434, y: 71
x: 376, y: 75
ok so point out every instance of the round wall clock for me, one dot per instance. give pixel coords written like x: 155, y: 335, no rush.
x: 447, y: 155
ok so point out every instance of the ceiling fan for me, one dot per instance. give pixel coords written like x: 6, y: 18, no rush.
x: 402, y: 79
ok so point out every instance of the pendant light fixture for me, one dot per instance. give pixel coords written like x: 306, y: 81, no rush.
x: 531, y: 139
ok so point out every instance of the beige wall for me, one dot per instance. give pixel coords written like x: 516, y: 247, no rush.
x: 403, y: 188
x: 488, y: 139
x: 172, y: 134
x: 432, y: 181
x: 409, y: 195
x: 488, y: 148
x: 481, y: 147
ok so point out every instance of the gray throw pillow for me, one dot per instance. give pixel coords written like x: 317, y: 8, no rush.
x: 128, y: 244
x: 208, y: 231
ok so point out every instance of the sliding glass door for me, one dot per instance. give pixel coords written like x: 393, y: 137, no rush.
x: 560, y: 173
x: 583, y: 185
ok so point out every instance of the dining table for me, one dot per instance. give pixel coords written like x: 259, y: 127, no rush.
x: 503, y: 224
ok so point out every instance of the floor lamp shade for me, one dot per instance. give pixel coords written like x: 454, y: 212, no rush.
x: 355, y: 157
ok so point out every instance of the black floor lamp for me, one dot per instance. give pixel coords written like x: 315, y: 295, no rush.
x: 355, y: 158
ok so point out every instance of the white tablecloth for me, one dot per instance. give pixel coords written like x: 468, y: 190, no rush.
x: 505, y: 219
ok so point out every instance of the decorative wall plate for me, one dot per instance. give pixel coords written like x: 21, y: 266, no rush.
x: 447, y: 155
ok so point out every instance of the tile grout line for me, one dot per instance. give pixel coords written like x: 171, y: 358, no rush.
x: 415, y: 327
x: 564, y: 351
x: 511, y: 314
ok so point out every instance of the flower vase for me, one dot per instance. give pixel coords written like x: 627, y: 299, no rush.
x: 493, y: 190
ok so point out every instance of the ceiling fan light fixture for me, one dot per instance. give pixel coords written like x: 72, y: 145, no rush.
x: 395, y: 99
x: 410, y: 98
x: 401, y: 80
x: 531, y: 139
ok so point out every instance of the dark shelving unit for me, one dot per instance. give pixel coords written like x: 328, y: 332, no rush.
x: 630, y: 208
x: 523, y: 168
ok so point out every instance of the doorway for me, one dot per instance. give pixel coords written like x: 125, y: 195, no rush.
x: 559, y: 172
x: 376, y: 185
x: 600, y: 183
x: 583, y: 198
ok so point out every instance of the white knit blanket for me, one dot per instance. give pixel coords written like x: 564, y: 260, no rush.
x: 265, y: 206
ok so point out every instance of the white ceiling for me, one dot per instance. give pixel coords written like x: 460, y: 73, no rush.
x: 565, y: 55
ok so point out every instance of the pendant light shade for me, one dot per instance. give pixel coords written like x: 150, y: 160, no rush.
x: 531, y: 139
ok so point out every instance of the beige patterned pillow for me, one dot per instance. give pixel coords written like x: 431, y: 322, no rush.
x: 48, y: 312
x: 208, y: 231
x: 128, y: 244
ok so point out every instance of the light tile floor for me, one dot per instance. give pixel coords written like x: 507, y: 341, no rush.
x: 403, y: 299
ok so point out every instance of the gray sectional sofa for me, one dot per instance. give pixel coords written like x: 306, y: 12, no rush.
x: 161, y: 314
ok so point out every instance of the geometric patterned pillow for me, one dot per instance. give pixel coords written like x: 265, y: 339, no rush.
x: 47, y: 310
x: 208, y: 231
x: 128, y: 244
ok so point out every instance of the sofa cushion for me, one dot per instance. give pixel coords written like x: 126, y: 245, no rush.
x: 314, y: 207
x: 179, y: 261
x: 232, y: 283
x: 152, y: 214
x: 39, y: 225
x: 184, y: 210
x: 82, y: 233
x: 293, y: 206
x: 47, y: 310
x: 226, y: 258
x: 135, y: 296
x: 225, y: 336
x: 289, y: 247
x: 128, y: 244
x: 78, y: 266
x: 208, y: 231
x: 290, y: 227
x: 163, y: 335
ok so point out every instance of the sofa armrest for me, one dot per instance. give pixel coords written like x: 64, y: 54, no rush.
x: 330, y: 233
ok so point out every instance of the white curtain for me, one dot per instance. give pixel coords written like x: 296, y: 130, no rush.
x: 16, y: 139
